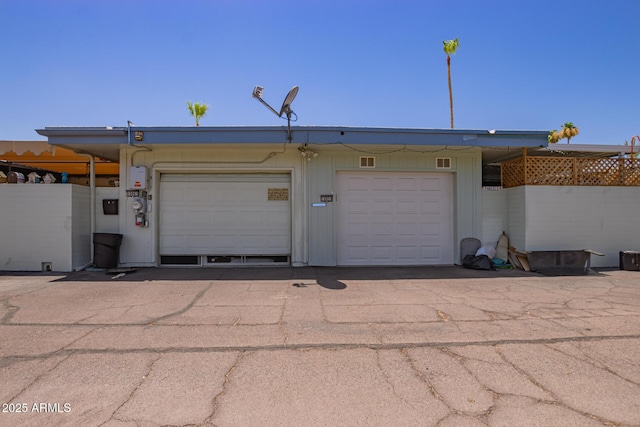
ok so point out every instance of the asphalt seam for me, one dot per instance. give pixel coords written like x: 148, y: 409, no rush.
x: 421, y: 322
x: 324, y: 346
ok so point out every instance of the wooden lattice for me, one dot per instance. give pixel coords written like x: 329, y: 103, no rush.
x: 513, y: 173
x: 532, y: 170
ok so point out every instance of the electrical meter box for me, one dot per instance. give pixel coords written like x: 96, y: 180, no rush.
x: 138, y: 178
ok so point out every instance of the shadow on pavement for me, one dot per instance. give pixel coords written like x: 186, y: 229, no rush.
x: 327, y: 277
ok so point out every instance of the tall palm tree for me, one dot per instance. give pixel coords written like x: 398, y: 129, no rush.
x: 197, y: 110
x: 554, y: 136
x: 450, y: 47
x: 568, y: 131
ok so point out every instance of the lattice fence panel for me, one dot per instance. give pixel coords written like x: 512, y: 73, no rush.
x: 513, y: 173
x: 608, y: 172
x: 630, y: 172
x: 534, y: 170
x: 598, y: 171
x: 549, y: 171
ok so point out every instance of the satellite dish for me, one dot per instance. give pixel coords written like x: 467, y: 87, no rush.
x: 286, y: 105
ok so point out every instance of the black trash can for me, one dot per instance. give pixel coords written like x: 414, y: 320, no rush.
x: 106, y: 249
x: 630, y: 260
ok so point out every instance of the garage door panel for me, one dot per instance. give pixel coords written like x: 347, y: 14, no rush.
x: 406, y: 253
x: 430, y: 184
x: 410, y: 225
x: 382, y: 253
x: 172, y: 242
x: 357, y: 183
x: 407, y: 184
x: 198, y: 242
x: 430, y: 229
x: 431, y: 207
x: 224, y: 214
x: 200, y: 217
x: 382, y: 206
x: 382, y: 184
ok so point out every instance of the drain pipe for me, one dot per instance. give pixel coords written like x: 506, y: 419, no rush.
x: 92, y: 186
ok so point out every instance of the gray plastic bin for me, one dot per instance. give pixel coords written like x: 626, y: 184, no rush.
x: 630, y: 260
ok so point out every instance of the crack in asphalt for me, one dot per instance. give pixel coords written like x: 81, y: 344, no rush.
x: 588, y: 359
x: 11, y: 311
x: 227, y: 377
x: 188, y: 307
x: 36, y: 379
x: 557, y: 400
x: 142, y: 381
x: 387, y: 379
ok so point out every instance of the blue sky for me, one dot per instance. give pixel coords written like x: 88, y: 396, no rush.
x: 529, y: 65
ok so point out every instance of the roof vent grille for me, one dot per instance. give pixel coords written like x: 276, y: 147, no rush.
x: 443, y: 162
x: 367, y: 162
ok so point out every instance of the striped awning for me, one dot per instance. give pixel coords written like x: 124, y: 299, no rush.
x: 21, y: 147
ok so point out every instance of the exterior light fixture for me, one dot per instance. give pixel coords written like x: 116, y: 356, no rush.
x: 307, y: 153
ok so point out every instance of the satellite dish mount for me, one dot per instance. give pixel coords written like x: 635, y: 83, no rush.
x: 285, y: 109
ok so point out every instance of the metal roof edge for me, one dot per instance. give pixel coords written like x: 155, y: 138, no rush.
x: 111, y: 130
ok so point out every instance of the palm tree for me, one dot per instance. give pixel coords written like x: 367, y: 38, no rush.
x: 554, y: 136
x: 197, y: 110
x: 568, y: 131
x: 450, y: 47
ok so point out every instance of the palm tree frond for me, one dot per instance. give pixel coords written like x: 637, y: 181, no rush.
x: 450, y: 46
x: 197, y: 110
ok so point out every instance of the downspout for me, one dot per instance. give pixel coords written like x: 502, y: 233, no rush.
x: 92, y: 186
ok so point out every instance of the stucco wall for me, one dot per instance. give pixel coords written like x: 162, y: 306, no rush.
x: 572, y: 217
x: 44, y: 223
x: 516, y: 217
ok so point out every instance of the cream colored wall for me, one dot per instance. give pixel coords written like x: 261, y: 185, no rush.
x: 44, y: 223
x: 603, y: 219
x: 494, y: 218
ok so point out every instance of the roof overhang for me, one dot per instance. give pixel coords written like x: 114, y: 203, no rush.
x: 106, y: 142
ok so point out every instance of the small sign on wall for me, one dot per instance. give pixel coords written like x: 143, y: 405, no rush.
x: 326, y: 198
x: 278, y: 194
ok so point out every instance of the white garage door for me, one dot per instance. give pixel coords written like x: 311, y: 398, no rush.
x: 394, y: 218
x: 225, y: 214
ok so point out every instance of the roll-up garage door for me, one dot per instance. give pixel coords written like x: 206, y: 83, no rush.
x: 225, y: 214
x: 389, y: 218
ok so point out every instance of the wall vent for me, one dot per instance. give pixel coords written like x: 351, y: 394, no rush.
x: 443, y: 162
x: 367, y: 162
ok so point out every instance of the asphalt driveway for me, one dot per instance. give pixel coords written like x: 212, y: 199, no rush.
x: 431, y: 346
